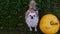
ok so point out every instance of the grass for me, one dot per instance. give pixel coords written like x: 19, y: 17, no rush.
x: 19, y: 29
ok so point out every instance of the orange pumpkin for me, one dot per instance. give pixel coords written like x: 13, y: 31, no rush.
x: 49, y: 24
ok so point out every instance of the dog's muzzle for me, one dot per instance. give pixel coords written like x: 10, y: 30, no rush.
x: 31, y: 17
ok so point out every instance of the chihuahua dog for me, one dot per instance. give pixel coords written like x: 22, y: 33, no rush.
x: 31, y: 18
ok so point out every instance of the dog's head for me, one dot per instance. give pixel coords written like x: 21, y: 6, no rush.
x: 32, y: 16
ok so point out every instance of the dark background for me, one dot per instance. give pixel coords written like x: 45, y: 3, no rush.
x: 12, y: 15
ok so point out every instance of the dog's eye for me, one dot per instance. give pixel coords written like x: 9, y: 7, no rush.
x: 30, y: 15
x: 34, y: 15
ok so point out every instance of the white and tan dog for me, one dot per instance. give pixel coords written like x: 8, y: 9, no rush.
x: 31, y: 18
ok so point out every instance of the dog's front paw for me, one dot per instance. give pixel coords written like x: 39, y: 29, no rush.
x: 35, y: 30
x: 30, y: 29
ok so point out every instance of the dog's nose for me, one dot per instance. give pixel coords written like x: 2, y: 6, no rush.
x: 31, y: 17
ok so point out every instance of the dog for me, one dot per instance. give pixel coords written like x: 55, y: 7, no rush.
x: 31, y: 20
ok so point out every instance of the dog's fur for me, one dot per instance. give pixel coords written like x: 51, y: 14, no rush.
x: 31, y: 19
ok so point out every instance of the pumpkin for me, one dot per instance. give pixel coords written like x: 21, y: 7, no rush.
x: 59, y: 25
x: 49, y: 24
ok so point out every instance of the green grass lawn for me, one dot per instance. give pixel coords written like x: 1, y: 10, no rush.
x: 19, y: 29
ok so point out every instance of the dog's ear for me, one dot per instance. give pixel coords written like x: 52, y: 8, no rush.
x: 36, y: 12
x: 26, y: 14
